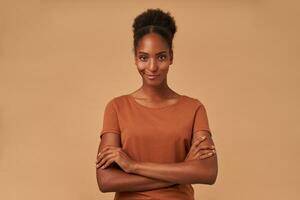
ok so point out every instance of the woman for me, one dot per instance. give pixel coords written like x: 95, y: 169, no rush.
x: 155, y: 142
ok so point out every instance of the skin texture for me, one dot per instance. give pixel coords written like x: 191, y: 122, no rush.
x: 122, y: 173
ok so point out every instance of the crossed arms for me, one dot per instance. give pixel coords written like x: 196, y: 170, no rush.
x: 149, y: 175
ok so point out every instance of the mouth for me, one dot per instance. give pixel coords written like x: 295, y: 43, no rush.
x: 150, y: 76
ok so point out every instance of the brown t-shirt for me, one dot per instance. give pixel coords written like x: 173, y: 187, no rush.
x: 161, y: 135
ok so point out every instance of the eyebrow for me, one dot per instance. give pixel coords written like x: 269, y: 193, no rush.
x: 156, y: 53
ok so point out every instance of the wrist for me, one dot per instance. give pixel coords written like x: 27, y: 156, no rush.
x: 134, y: 167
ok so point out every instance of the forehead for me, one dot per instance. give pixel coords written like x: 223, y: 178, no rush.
x: 152, y: 43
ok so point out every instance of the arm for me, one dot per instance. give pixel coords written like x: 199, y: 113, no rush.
x: 113, y: 179
x: 188, y: 172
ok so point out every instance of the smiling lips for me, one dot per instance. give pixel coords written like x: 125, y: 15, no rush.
x: 151, y: 76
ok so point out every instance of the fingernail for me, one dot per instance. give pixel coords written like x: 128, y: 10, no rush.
x: 203, y: 137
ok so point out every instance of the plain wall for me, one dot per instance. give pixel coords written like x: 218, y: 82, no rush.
x: 62, y: 61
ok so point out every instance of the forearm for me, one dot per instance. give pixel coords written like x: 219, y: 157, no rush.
x: 113, y: 179
x: 188, y: 172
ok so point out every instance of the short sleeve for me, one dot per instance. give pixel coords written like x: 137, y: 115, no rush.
x: 110, y: 119
x: 201, y: 120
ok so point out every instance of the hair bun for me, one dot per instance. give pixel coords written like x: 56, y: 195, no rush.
x: 154, y: 21
x: 155, y: 17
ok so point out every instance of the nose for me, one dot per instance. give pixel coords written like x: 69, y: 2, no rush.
x: 153, y: 65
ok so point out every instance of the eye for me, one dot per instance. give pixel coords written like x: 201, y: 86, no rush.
x: 142, y: 58
x: 162, y: 57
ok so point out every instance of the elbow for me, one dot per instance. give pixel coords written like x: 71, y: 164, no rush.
x: 107, y: 187
x: 212, y: 173
x: 102, y: 183
x: 212, y: 178
x: 208, y: 178
x: 102, y: 188
x: 106, y: 179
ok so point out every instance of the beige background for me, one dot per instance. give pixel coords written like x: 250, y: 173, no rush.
x: 61, y: 61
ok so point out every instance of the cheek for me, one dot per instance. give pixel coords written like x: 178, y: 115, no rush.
x: 164, y: 67
x: 141, y: 66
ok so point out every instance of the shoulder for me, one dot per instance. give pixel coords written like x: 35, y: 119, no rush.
x: 118, y: 101
x: 195, y: 102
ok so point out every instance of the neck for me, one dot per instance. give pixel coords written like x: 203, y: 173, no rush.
x: 158, y: 92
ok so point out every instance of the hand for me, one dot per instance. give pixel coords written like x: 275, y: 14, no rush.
x: 112, y: 154
x: 199, y: 151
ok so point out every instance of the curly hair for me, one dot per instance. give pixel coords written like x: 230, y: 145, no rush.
x: 157, y: 21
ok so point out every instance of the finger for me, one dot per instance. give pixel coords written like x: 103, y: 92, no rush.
x: 107, y: 156
x: 207, y: 155
x: 104, y: 153
x: 104, y: 157
x: 198, y: 141
x: 202, y: 148
x: 107, y: 163
x: 203, y: 151
x: 205, y: 147
x: 105, y: 149
x: 104, y: 160
x: 206, y: 151
x: 98, y: 160
x: 107, y: 152
x: 101, y: 162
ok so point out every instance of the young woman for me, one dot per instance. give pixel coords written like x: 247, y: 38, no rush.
x: 155, y: 142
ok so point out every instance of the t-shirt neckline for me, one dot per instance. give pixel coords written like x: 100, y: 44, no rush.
x: 158, y: 108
